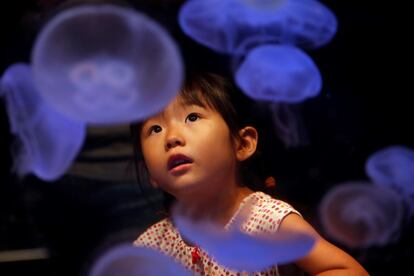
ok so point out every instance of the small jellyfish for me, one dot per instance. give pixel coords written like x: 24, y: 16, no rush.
x: 278, y: 73
x: 46, y: 142
x: 237, y: 25
x: 128, y: 260
x: 106, y: 64
x: 241, y: 251
x: 393, y: 167
x: 361, y: 215
x: 288, y: 124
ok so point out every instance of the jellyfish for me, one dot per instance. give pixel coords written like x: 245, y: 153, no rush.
x: 278, y: 73
x: 393, y: 167
x: 128, y: 260
x: 105, y: 64
x: 45, y: 141
x: 280, y: 77
x: 288, y: 124
x: 361, y: 215
x: 263, y: 37
x: 235, y: 26
x: 237, y: 250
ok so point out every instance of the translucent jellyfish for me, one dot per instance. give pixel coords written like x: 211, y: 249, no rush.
x: 46, y: 142
x: 240, y: 251
x: 128, y: 260
x: 105, y: 64
x: 237, y: 25
x: 393, y: 167
x: 278, y: 73
x: 288, y: 124
x: 361, y: 215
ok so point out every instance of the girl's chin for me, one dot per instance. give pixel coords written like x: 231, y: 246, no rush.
x: 184, y: 188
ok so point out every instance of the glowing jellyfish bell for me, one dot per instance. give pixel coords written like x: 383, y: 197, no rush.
x: 235, y: 25
x: 361, y: 215
x: 105, y: 64
x: 393, y: 167
x: 125, y: 259
x: 46, y: 142
x: 279, y: 73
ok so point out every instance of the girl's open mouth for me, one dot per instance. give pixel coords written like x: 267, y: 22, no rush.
x: 178, y: 162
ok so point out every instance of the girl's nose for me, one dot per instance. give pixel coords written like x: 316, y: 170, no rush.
x: 173, y: 141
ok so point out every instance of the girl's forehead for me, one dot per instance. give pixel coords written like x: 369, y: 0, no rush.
x: 176, y: 107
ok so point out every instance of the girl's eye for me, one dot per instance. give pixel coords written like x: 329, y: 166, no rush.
x: 192, y: 117
x: 154, y: 129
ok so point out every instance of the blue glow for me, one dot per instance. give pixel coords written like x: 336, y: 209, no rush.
x: 231, y: 26
x: 242, y: 251
x: 361, y: 215
x: 105, y: 64
x: 46, y: 142
x: 278, y: 73
x: 393, y: 167
x: 127, y: 260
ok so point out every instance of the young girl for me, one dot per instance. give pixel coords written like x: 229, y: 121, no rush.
x: 194, y: 150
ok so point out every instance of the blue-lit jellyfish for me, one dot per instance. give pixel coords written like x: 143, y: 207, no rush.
x: 231, y: 26
x: 128, y: 260
x: 281, y: 75
x: 263, y: 37
x: 278, y: 73
x: 393, y: 167
x: 241, y: 251
x: 361, y: 215
x: 45, y: 141
x: 105, y: 64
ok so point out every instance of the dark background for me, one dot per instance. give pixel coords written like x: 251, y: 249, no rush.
x: 364, y: 106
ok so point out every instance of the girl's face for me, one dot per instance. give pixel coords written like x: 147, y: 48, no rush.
x: 189, y: 148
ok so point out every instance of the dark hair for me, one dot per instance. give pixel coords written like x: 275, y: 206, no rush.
x: 216, y: 92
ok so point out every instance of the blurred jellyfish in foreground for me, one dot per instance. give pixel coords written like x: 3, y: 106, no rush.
x: 278, y: 73
x: 105, y: 64
x: 231, y: 26
x: 46, y: 142
x: 361, y: 215
x: 240, y: 251
x: 128, y: 260
x: 393, y: 167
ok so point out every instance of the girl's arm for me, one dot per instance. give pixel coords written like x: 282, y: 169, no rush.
x: 325, y: 258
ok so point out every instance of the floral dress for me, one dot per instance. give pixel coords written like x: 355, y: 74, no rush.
x: 265, y: 217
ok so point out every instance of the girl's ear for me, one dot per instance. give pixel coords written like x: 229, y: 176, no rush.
x: 247, y: 143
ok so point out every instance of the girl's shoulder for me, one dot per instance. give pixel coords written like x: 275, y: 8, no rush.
x: 265, y: 213
x: 269, y: 204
